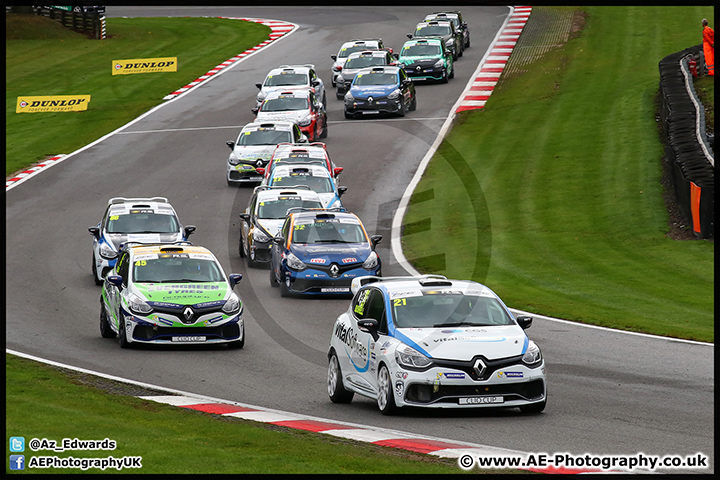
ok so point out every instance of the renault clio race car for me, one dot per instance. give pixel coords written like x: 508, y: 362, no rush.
x: 454, y: 16
x: 254, y: 147
x: 265, y: 215
x: 427, y: 59
x: 380, y: 90
x: 170, y: 294
x: 293, y: 77
x: 350, y: 47
x: 301, y: 107
x: 297, y: 153
x: 321, y: 252
x: 432, y: 342
x: 317, y: 177
x: 134, y: 220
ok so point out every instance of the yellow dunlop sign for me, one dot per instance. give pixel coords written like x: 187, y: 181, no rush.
x: 53, y: 103
x: 144, y: 65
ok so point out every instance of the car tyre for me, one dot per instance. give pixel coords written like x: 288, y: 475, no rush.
x: 385, y: 398
x: 122, y: 335
x: 401, y: 111
x: 285, y: 289
x: 241, y: 249
x: 325, y: 130
x: 273, y: 281
x: 444, y: 78
x: 452, y: 72
x: 339, y: 95
x: 534, y: 407
x: 413, y: 105
x: 336, y: 389
x: 105, y: 329
x: 238, y: 344
x: 98, y: 281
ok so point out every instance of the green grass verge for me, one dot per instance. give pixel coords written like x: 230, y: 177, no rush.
x: 551, y: 194
x: 46, y: 402
x: 43, y: 58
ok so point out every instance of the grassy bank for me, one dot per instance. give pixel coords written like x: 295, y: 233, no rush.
x: 46, y: 402
x: 551, y: 194
x: 43, y: 58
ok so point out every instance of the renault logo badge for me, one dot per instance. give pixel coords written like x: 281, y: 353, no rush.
x: 334, y: 270
x: 370, y: 99
x: 188, y: 313
x: 479, y: 367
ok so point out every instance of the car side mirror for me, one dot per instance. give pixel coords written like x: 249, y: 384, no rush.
x: 245, y: 216
x: 189, y: 230
x: 303, y: 139
x: 279, y: 240
x: 334, y: 57
x: 337, y: 171
x: 396, y: 56
x: 524, y: 322
x: 255, y: 110
x: 115, y: 280
x: 234, y: 279
x: 259, y: 85
x: 260, y: 170
x: 230, y: 144
x: 95, y: 232
x: 369, y: 325
x: 341, y: 191
x: 374, y: 240
x: 409, y: 35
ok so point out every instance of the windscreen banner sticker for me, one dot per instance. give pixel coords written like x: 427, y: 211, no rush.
x: 52, y: 103
x: 144, y: 237
x: 144, y: 65
x: 405, y: 294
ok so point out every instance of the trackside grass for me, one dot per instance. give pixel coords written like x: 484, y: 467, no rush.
x: 551, y: 194
x: 43, y: 58
x: 44, y: 402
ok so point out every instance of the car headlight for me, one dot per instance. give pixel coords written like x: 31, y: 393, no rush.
x: 439, y: 64
x: 232, y: 305
x: 138, y: 306
x: 106, y: 251
x: 340, y: 79
x: 408, y: 357
x: 532, y: 355
x: 395, y: 94
x: 371, y: 262
x: 260, y: 236
x: 294, y: 262
x: 233, y: 160
x: 305, y: 121
x: 349, y: 98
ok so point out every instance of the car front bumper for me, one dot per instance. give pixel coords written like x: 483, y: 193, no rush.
x: 378, y: 105
x: 311, y: 281
x: 429, y: 73
x: 207, y: 329
x: 243, y: 173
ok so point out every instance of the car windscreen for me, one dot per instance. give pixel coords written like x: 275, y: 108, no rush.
x: 287, y: 79
x: 441, y: 308
x: 175, y: 268
x: 345, y: 52
x: 283, y: 104
x: 330, y: 230
x: 142, y: 222
x: 376, y: 79
x: 432, y: 31
x: 277, y: 209
x: 264, y: 137
x: 362, y: 62
x: 420, y: 51
x: 316, y: 184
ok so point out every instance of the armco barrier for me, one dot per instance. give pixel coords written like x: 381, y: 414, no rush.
x: 88, y: 23
x: 689, y: 154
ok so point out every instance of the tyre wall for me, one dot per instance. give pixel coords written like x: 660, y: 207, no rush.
x: 689, y: 154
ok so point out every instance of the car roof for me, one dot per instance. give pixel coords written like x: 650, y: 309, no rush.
x: 365, y: 53
x: 442, y: 23
x: 284, y: 170
x: 352, y: 43
x: 436, y: 15
x: 412, y: 284
x: 266, y: 192
x: 314, y: 150
x: 300, y: 93
x: 136, y: 249
x: 422, y: 40
x: 293, y: 68
x: 324, y: 213
x: 275, y: 125
x: 379, y: 69
x: 156, y: 204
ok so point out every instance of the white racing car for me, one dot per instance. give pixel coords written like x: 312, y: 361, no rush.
x: 432, y: 342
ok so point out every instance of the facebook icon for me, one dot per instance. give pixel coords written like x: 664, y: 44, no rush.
x: 17, y: 462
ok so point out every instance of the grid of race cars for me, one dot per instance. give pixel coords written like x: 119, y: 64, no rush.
x: 424, y: 341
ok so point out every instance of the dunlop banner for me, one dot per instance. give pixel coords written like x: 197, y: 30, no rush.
x: 144, y: 65
x: 54, y: 103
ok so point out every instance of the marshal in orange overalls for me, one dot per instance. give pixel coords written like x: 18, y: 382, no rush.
x: 709, y: 49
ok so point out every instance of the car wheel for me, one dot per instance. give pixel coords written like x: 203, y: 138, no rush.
x: 241, y: 246
x: 534, y: 407
x: 444, y: 78
x: 285, y: 288
x: 122, y: 335
x: 238, y: 344
x: 413, y: 105
x: 401, y: 111
x: 467, y: 44
x: 339, y: 95
x: 273, y: 280
x: 98, y: 281
x: 452, y: 72
x: 325, y: 130
x: 462, y: 51
x: 336, y: 389
x: 105, y: 330
x: 386, y: 398
x: 324, y: 100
